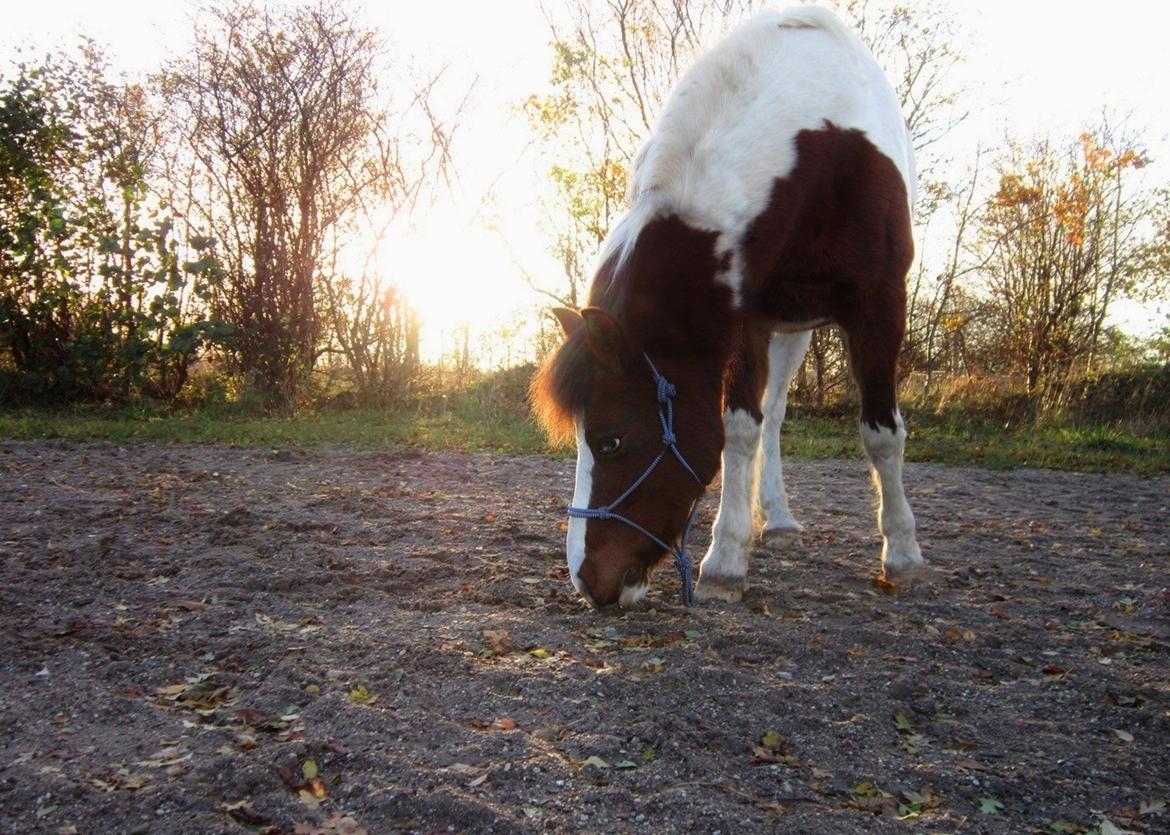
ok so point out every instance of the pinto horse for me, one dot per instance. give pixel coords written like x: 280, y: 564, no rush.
x: 774, y: 197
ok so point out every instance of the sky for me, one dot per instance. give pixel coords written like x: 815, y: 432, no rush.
x: 1032, y: 67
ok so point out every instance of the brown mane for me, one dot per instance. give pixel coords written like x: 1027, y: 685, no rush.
x: 560, y: 389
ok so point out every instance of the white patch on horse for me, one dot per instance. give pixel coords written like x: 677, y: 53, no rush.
x: 728, y: 130
x: 885, y: 448
x: 582, y: 492
x: 632, y: 594
x: 785, y: 352
x: 726, y: 559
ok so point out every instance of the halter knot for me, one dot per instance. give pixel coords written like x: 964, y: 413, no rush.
x: 668, y: 438
x: 666, y: 389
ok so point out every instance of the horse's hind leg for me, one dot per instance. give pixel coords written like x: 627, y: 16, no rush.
x: 785, y: 353
x: 724, y: 568
x: 873, y: 352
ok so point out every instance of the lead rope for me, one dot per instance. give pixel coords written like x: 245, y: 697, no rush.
x: 666, y: 392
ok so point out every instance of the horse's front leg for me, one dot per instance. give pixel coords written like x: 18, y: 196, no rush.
x: 723, y: 572
x: 785, y: 353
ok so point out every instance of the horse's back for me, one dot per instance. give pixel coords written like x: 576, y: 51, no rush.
x: 729, y: 129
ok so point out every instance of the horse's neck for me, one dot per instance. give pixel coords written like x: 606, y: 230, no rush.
x: 671, y: 292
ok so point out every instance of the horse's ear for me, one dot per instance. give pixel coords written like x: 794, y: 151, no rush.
x: 571, y: 321
x: 606, y: 338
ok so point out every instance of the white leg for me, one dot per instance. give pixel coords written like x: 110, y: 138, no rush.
x: 785, y: 353
x: 901, y: 555
x: 722, y: 572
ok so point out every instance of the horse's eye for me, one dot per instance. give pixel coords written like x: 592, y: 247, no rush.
x: 610, y: 445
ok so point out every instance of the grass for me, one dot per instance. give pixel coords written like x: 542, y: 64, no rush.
x: 360, y: 428
x: 469, y: 426
x: 980, y: 443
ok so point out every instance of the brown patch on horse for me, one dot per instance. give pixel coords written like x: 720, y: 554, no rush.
x: 835, y: 243
x: 664, y: 300
x: 747, y: 370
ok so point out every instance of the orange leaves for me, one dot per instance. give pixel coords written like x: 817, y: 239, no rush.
x: 498, y: 641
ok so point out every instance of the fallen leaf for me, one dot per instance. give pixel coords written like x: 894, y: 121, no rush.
x: 1124, y: 736
x: 309, y: 769
x: 625, y: 764
x: 596, y: 762
x: 654, y: 665
x: 312, y: 792
x: 989, y: 806
x: 242, y: 812
x: 540, y: 652
x: 1152, y: 807
x: 478, y: 781
x: 504, y: 723
x: 360, y: 695
x: 770, y: 740
x: 1108, y: 827
x: 498, y: 640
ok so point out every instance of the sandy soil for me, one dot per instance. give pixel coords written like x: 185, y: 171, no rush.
x: 203, y: 640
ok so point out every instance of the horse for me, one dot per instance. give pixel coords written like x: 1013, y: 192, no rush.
x: 773, y: 197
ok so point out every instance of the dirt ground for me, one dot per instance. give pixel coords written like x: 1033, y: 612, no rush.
x: 204, y: 640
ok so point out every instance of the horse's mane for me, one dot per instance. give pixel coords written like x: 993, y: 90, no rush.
x: 560, y: 388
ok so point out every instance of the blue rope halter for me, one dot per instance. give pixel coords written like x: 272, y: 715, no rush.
x: 666, y: 393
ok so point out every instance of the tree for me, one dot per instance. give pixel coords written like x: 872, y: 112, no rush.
x: 288, y: 130
x: 95, y: 300
x: 1068, y: 231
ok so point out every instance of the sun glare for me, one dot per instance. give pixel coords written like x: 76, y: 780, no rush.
x: 456, y: 274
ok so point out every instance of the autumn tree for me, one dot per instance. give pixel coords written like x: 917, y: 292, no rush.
x: 1068, y: 231
x: 288, y: 126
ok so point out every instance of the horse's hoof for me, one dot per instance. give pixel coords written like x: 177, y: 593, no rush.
x: 903, y: 574
x: 719, y: 587
x: 782, y: 531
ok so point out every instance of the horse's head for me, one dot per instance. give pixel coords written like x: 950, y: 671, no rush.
x: 600, y: 388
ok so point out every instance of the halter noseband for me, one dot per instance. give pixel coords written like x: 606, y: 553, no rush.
x: 666, y: 394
